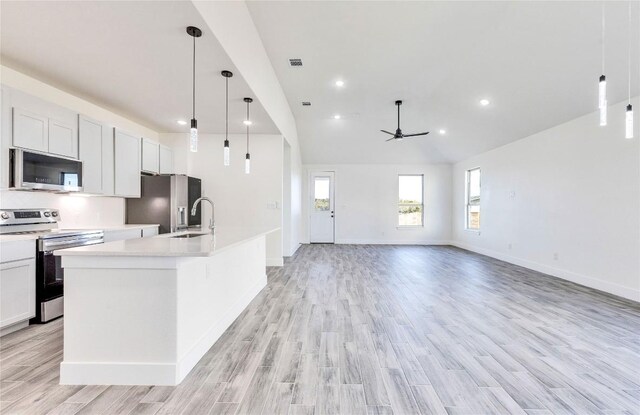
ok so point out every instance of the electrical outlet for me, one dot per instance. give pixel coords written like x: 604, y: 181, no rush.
x: 555, y: 256
x: 512, y: 195
x: 509, y: 245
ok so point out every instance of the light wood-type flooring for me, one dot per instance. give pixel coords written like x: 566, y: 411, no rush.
x: 378, y: 330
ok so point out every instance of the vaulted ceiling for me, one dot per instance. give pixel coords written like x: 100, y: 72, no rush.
x: 536, y: 62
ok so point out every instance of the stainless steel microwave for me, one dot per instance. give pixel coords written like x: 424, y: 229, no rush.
x: 36, y: 171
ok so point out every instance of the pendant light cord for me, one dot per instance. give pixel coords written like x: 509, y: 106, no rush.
x: 629, y: 53
x: 194, y: 79
x: 226, y: 131
x: 603, y: 34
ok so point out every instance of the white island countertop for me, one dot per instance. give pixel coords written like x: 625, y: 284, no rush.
x: 35, y: 235
x: 167, y: 245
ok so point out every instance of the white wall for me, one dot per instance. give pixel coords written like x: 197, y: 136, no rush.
x: 76, y: 211
x: 366, y: 203
x: 241, y: 200
x: 572, y: 190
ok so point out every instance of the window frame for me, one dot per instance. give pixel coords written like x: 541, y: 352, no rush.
x: 467, y: 192
x: 421, y: 204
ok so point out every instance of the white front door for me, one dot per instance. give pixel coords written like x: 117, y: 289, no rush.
x: 321, y: 218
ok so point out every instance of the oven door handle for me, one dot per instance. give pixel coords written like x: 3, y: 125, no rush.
x: 50, y: 247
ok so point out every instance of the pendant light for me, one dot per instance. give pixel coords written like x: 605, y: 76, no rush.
x: 247, y: 122
x: 602, y: 82
x: 629, y: 113
x: 227, y: 75
x: 193, y: 132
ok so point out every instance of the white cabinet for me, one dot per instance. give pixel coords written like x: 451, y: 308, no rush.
x: 63, y: 139
x: 17, y: 284
x: 150, y: 156
x: 166, y: 160
x: 127, y: 164
x: 108, y: 161
x: 30, y: 130
x: 90, y: 142
x: 148, y: 232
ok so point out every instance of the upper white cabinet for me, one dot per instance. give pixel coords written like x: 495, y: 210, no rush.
x: 150, y: 156
x: 63, y: 139
x: 30, y: 130
x: 90, y: 142
x: 127, y: 164
x: 166, y: 160
x: 108, y: 161
x: 41, y: 125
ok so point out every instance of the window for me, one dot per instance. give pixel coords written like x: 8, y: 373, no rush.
x: 410, y: 204
x: 473, y: 199
x: 321, y: 191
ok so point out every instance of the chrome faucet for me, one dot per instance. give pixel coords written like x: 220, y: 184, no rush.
x: 212, y: 221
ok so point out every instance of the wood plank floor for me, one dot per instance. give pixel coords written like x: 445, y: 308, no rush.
x: 378, y: 330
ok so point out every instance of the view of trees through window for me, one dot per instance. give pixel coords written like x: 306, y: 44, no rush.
x: 473, y: 199
x: 410, y: 200
x: 321, y: 193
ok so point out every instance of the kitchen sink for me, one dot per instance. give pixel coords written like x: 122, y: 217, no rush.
x: 189, y: 235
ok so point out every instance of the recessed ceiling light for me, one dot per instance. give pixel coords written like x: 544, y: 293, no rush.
x: 484, y: 102
x: 247, y: 122
x: 442, y: 131
x: 182, y: 122
x: 339, y: 83
x: 336, y: 117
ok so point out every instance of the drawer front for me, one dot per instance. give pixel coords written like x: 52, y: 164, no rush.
x: 17, y: 250
x: 121, y: 235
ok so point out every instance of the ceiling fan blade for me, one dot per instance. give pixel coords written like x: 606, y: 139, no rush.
x: 385, y: 131
x: 392, y: 138
x: 415, y: 135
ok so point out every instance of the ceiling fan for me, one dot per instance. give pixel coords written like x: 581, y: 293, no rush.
x: 398, y: 135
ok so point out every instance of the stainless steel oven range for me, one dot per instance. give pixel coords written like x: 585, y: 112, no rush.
x: 43, y: 223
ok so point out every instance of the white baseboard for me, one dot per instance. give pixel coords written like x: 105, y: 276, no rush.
x: 294, y: 250
x: 98, y: 373
x: 275, y: 262
x: 591, y: 282
x: 389, y: 242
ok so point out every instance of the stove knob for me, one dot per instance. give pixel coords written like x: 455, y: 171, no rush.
x: 54, y: 213
x: 4, y: 215
x: 47, y: 214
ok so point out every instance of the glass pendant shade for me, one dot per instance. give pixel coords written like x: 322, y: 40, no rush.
x: 226, y: 153
x: 602, y: 92
x: 247, y: 164
x: 603, y: 115
x: 629, y: 122
x: 193, y: 136
x: 602, y: 100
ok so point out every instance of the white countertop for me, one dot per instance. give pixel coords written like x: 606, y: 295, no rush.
x: 166, y: 246
x: 35, y: 235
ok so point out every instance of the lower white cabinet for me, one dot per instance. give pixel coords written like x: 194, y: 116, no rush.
x: 127, y: 164
x: 17, y: 284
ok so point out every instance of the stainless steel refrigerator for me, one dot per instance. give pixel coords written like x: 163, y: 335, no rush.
x: 166, y: 200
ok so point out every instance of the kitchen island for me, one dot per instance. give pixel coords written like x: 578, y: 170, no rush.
x: 144, y: 311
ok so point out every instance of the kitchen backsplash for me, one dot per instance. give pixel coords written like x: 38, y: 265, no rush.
x: 75, y: 210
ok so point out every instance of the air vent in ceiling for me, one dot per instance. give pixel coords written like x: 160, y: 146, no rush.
x: 295, y: 62
x: 306, y: 104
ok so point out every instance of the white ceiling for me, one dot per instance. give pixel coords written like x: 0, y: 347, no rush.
x: 133, y: 57
x: 538, y: 63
